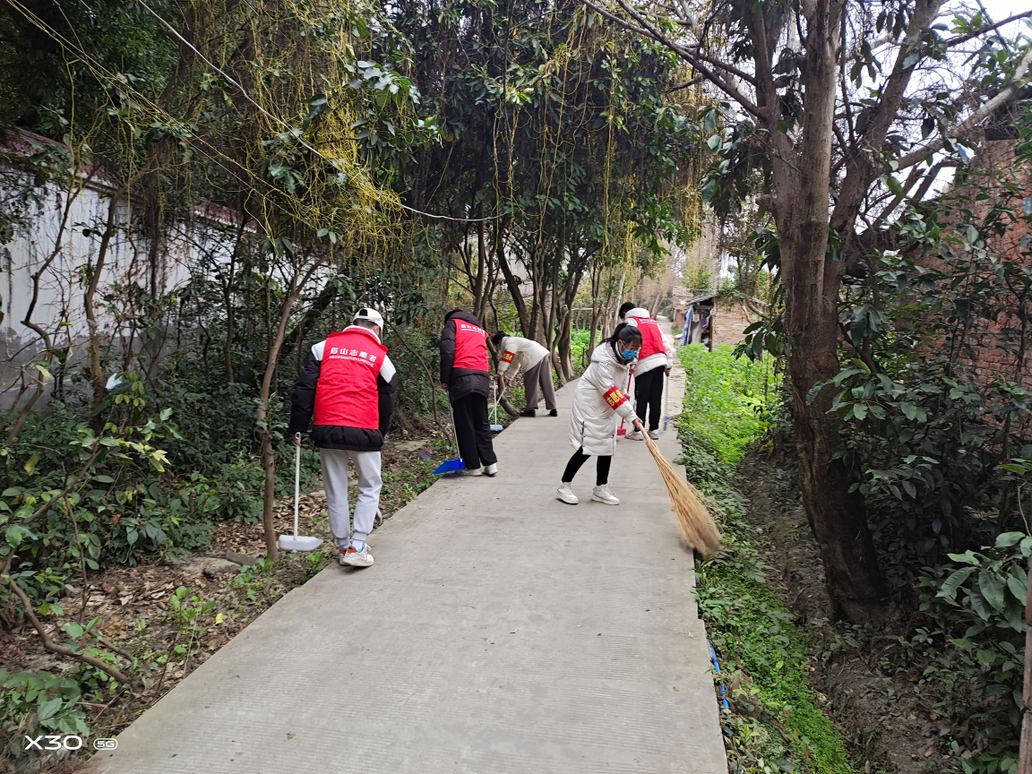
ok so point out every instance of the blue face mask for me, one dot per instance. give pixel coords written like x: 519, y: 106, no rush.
x: 626, y: 355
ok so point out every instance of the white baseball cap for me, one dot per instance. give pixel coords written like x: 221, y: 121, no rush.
x: 369, y: 314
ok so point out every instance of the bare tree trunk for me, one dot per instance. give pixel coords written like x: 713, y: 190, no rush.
x: 1025, y: 754
x: 15, y: 428
x: 89, y: 294
x: 262, y: 414
x: 596, y: 308
x: 836, y: 515
x: 511, y: 283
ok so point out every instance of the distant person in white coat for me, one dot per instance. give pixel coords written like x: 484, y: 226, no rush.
x: 598, y: 403
x: 517, y: 353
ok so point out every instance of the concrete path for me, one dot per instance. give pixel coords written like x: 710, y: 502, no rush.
x: 500, y: 630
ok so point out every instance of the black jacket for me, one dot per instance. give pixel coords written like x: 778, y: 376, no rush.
x: 461, y: 381
x: 338, y: 437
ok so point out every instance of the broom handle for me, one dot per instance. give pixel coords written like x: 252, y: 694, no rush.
x: 629, y: 377
x: 297, y: 479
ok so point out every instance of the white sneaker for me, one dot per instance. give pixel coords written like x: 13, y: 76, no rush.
x: 473, y: 472
x: 634, y: 435
x: 602, y: 494
x: 491, y: 469
x: 566, y: 494
x: 353, y: 558
x: 654, y: 435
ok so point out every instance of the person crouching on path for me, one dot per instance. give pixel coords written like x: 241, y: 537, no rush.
x: 533, y: 358
x: 653, y: 365
x: 598, y: 402
x: 465, y: 375
x: 350, y: 385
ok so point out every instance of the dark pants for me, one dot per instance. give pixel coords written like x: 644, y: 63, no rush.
x: 648, y: 395
x: 474, y: 431
x: 579, y: 458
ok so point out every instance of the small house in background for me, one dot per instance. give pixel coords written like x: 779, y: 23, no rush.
x: 715, y: 319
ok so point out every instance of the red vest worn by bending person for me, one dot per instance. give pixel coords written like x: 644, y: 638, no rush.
x: 651, y: 337
x: 470, y: 346
x: 346, y: 394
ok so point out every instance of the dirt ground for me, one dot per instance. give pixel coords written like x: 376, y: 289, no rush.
x: 887, y: 728
x: 169, y: 636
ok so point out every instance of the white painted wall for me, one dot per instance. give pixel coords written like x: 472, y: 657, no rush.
x: 67, y: 226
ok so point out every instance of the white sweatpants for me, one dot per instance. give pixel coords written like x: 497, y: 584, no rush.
x: 335, y: 481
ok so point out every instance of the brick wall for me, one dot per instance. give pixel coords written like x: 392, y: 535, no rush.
x: 729, y: 320
x: 1002, y: 179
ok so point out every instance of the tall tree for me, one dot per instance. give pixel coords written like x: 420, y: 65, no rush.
x: 561, y: 135
x: 847, y: 111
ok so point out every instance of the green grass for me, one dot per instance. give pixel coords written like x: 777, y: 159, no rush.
x: 774, y: 723
x: 579, y: 356
x: 729, y: 401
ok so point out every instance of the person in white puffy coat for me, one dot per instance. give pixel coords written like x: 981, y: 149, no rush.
x: 598, y: 403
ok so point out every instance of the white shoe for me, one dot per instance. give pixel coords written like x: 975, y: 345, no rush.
x: 634, y: 435
x: 473, y: 472
x: 566, y: 494
x: 654, y: 435
x: 491, y: 469
x: 602, y: 494
x: 352, y: 558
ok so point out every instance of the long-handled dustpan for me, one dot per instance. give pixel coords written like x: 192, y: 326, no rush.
x: 450, y: 466
x: 295, y: 542
x: 495, y: 427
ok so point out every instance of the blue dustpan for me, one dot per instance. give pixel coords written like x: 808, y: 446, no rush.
x: 449, y: 466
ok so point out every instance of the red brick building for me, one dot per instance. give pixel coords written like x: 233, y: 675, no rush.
x: 1000, y: 181
x: 717, y: 319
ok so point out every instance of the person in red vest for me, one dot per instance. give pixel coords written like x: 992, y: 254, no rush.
x: 465, y: 375
x: 654, y: 362
x: 350, y: 386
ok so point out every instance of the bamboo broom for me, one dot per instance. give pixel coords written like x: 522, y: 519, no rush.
x: 698, y: 530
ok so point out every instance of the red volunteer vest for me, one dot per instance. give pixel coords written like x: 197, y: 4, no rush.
x: 651, y: 337
x: 470, y: 346
x: 346, y: 393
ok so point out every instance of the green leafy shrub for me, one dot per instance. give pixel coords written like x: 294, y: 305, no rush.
x: 774, y: 722
x: 970, y: 656
x: 73, y: 499
x: 729, y: 400
x: 580, y: 357
x: 941, y: 453
x: 35, y: 703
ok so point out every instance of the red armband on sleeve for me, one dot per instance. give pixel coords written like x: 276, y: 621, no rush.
x: 614, y: 397
x: 508, y: 356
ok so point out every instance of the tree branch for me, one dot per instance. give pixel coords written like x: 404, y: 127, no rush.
x: 1008, y: 94
x: 61, y: 650
x: 647, y: 30
x: 965, y: 38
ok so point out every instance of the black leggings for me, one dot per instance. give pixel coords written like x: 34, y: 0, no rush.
x: 579, y: 458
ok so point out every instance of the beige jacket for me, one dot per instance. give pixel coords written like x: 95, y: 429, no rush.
x: 519, y: 353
